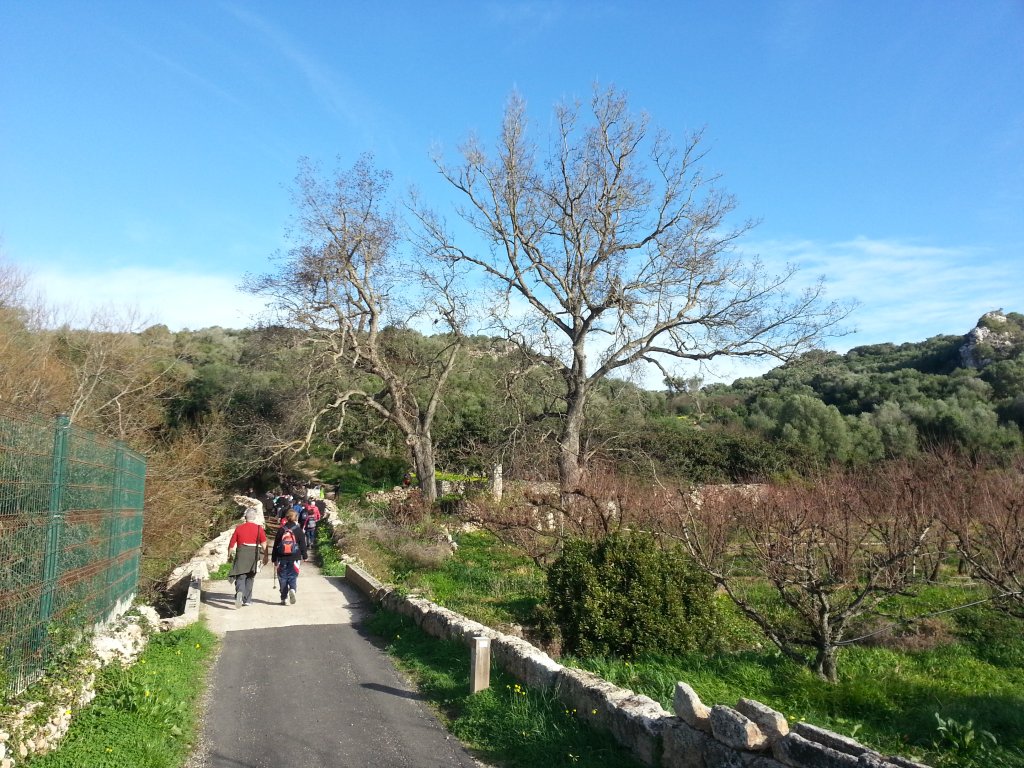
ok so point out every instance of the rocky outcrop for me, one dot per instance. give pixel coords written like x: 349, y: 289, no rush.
x: 993, y: 338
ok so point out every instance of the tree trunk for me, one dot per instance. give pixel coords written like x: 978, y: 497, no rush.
x: 570, y: 462
x: 423, y: 459
x: 825, y: 663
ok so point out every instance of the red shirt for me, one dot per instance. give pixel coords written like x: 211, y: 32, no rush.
x: 248, y: 533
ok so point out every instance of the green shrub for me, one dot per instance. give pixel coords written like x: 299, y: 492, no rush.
x: 627, y: 595
x: 384, y: 470
x: 370, y: 474
x: 346, y: 478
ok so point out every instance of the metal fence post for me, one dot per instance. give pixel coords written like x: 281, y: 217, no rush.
x: 114, y: 529
x: 51, y: 552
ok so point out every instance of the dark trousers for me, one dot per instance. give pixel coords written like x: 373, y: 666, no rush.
x: 287, y: 577
x: 243, y: 586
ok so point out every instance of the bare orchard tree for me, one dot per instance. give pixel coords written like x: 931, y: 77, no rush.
x: 983, y: 509
x: 352, y: 291
x: 609, y: 247
x: 832, y: 553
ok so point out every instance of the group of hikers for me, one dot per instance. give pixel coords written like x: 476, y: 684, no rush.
x: 297, y: 514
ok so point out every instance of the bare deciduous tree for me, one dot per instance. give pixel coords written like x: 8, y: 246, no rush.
x: 30, y: 376
x: 832, y: 552
x: 611, y: 250
x: 983, y: 509
x: 353, y: 292
x: 121, y: 383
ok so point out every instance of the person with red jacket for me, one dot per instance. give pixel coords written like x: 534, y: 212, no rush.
x: 251, y: 541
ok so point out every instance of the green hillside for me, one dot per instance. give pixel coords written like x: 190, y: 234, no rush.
x: 883, y: 400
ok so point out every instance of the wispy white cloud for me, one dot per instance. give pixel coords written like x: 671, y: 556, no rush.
x: 907, y: 291
x: 324, y: 82
x: 148, y: 296
x: 175, y: 65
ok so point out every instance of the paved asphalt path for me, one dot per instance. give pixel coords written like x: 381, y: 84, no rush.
x: 301, y: 686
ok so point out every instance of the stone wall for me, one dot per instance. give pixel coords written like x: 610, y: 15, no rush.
x: 749, y: 735
x: 122, y: 639
x: 24, y: 733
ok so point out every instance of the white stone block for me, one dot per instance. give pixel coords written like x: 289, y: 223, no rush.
x: 690, y: 709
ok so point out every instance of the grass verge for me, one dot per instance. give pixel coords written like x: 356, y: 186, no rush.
x: 950, y: 693
x: 485, y: 580
x: 959, y: 702
x: 144, y: 715
x: 507, y: 725
x: 326, y: 554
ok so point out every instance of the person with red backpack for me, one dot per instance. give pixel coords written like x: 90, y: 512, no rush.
x: 289, y: 549
x: 308, y: 518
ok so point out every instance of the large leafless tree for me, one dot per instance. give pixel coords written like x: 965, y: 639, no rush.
x: 609, y: 247
x: 353, y: 285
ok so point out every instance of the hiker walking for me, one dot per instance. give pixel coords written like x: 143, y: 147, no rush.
x: 251, y: 542
x: 308, y: 518
x: 289, y: 549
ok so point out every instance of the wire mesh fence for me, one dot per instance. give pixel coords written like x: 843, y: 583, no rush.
x: 70, y: 536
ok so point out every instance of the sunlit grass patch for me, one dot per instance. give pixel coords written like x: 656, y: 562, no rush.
x: 505, y: 725
x: 144, y: 715
x: 888, y: 699
x: 486, y: 580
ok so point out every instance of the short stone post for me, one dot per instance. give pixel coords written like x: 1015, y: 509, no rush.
x: 480, y: 664
x: 496, y: 482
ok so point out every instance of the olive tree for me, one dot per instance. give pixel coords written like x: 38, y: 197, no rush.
x: 609, y: 247
x: 353, y: 286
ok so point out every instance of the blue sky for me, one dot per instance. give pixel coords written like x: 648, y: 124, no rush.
x: 147, y: 148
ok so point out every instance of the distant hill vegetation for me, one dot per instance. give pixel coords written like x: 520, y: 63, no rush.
x: 883, y: 400
x: 255, y: 391
x: 872, y: 403
x: 218, y: 409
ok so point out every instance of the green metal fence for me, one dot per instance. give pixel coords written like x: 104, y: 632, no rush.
x: 70, y: 536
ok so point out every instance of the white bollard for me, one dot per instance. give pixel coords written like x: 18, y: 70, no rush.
x: 480, y: 664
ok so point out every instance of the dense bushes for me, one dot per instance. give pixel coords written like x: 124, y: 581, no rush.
x: 371, y: 474
x: 626, y: 595
x: 678, y: 449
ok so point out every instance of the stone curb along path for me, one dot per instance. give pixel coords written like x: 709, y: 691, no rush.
x: 122, y: 637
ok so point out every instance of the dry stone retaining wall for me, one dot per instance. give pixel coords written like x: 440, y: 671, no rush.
x: 122, y: 639
x: 22, y: 733
x: 749, y: 735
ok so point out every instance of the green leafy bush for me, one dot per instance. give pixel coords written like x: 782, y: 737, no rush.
x: 348, y: 480
x: 384, y: 470
x: 627, y: 595
x: 370, y: 474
